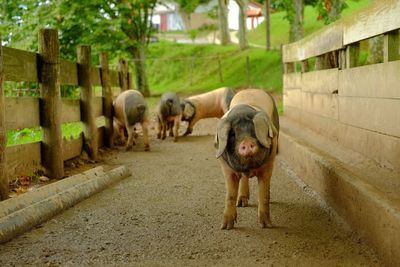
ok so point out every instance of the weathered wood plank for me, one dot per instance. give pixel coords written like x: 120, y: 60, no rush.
x: 327, y: 39
x: 322, y: 81
x: 95, y: 76
x: 114, y: 77
x: 3, y: 135
x: 69, y: 72
x: 97, y: 106
x: 292, y: 80
x: 391, y: 46
x: 375, y: 114
x: 325, y: 105
x: 22, y: 112
x: 23, y: 159
x: 378, y: 80
x: 19, y: 65
x: 292, y: 98
x: 385, y: 148
x: 377, y: 18
x: 71, y: 110
x: 107, y: 100
x: 72, y: 147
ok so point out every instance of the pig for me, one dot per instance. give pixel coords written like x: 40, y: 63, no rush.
x: 246, y: 143
x: 130, y: 108
x: 169, y: 115
x: 207, y: 105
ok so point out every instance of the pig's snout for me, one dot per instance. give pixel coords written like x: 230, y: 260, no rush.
x: 248, y: 148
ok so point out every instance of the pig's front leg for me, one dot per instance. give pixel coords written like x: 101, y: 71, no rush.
x: 244, y: 192
x: 145, y: 129
x: 232, y: 185
x: 189, y: 129
x: 264, y: 181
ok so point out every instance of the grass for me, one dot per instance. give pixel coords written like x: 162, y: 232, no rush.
x: 193, y: 68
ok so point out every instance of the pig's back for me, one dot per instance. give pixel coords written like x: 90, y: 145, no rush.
x: 129, y: 100
x: 214, y: 103
x: 258, y: 99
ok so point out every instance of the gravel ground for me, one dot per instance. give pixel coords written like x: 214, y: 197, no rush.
x: 168, y: 213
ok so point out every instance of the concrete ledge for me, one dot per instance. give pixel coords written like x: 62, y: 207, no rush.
x: 23, y: 212
x: 365, y: 195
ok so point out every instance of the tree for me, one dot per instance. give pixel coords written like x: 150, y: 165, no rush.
x: 117, y: 26
x: 223, y: 21
x: 267, y: 17
x: 330, y: 10
x: 295, y: 15
x: 242, y: 23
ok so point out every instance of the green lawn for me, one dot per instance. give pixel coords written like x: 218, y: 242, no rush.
x: 192, y: 68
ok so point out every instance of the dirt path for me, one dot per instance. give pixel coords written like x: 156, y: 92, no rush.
x: 168, y: 213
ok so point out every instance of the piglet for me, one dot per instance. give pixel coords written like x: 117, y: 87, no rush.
x: 246, y: 142
x: 131, y: 108
x: 213, y: 104
x: 169, y: 115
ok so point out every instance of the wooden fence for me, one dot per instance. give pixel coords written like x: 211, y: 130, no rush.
x: 50, y: 110
x: 357, y: 107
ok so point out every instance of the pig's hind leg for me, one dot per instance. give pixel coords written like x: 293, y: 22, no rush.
x: 145, y: 129
x: 131, y: 137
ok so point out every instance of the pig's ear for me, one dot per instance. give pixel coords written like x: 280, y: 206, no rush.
x: 221, y: 138
x: 264, y: 129
x: 188, y: 111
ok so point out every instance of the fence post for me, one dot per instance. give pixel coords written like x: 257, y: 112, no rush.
x: 123, y: 74
x: 248, y: 70
x: 220, y: 70
x: 391, y: 46
x: 107, y: 100
x: 87, y: 113
x: 3, y: 135
x: 352, y: 55
x: 304, y: 65
x: 50, y: 103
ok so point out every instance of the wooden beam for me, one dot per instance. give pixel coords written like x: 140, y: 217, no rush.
x: 391, y: 46
x: 107, y: 100
x: 352, y: 55
x: 87, y: 110
x: 50, y: 104
x: 3, y: 135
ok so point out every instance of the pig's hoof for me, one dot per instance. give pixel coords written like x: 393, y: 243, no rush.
x: 229, y: 221
x: 158, y: 136
x: 265, y: 221
x: 147, y: 148
x: 242, y: 201
x: 127, y: 148
x: 175, y: 139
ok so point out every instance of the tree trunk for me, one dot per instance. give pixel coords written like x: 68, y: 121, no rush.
x: 242, y: 24
x: 223, y: 22
x: 267, y: 14
x: 335, y: 8
x: 297, y: 25
x: 138, y: 53
x: 186, y: 20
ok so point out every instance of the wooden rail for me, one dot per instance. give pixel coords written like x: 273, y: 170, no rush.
x: 50, y: 110
x: 357, y: 107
